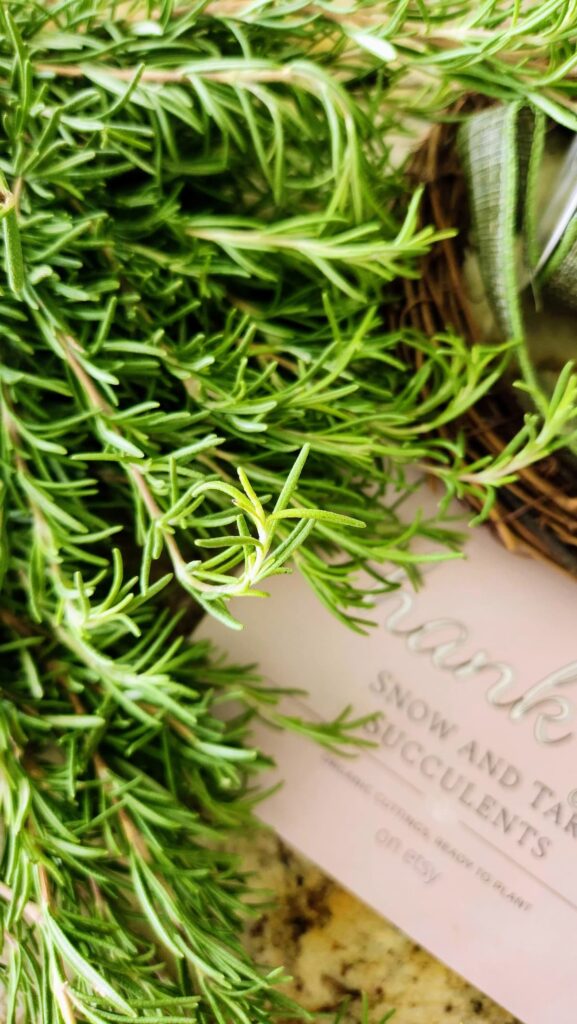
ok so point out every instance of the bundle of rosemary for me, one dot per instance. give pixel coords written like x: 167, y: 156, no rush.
x: 200, y: 384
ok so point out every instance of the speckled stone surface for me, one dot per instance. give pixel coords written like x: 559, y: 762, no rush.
x: 335, y: 947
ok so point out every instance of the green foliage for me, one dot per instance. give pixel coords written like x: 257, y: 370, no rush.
x: 204, y: 229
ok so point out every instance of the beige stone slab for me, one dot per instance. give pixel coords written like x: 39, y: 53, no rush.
x: 336, y: 947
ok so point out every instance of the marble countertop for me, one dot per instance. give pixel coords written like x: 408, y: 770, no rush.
x: 336, y: 948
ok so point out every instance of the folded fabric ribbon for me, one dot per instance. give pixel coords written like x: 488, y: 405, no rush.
x: 501, y: 150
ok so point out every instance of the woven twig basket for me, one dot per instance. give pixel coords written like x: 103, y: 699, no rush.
x: 537, y: 514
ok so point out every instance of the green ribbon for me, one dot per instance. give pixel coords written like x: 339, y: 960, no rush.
x: 501, y: 150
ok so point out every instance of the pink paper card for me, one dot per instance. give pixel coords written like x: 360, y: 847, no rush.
x: 461, y: 824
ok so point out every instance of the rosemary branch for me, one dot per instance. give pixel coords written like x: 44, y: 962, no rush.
x: 202, y: 385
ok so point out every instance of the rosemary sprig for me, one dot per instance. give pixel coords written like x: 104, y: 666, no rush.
x: 203, y: 228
